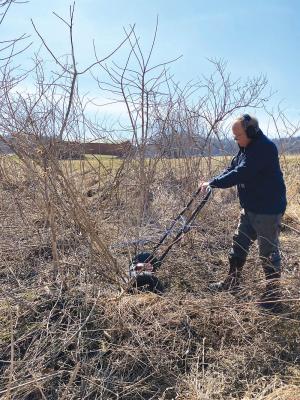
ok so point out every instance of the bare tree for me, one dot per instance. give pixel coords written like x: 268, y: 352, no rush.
x: 143, y: 88
x: 35, y: 125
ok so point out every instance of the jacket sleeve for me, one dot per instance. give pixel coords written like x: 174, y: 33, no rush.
x: 246, y: 170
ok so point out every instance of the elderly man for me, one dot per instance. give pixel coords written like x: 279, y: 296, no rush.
x: 255, y: 170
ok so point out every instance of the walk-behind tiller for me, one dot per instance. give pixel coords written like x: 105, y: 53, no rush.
x: 144, y: 265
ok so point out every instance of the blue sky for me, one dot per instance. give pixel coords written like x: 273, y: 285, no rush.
x: 261, y: 36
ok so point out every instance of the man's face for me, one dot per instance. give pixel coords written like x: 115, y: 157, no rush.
x: 240, y: 135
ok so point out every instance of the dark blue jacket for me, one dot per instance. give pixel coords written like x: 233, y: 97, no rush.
x: 256, y: 172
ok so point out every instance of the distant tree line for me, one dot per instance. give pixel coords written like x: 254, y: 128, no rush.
x: 184, y: 145
x: 171, y: 146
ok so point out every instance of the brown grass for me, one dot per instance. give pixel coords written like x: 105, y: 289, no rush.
x: 68, y: 331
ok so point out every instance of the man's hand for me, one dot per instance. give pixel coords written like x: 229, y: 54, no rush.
x: 204, y: 186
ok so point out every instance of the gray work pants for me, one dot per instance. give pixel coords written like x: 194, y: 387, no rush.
x: 265, y: 229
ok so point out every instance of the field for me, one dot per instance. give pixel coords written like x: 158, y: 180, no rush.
x: 69, y: 329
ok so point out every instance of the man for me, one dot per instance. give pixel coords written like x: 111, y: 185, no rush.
x: 256, y: 172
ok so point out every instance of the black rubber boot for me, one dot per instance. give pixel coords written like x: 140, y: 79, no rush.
x: 271, y: 298
x: 233, y: 279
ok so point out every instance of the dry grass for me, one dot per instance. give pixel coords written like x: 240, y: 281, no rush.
x: 67, y: 331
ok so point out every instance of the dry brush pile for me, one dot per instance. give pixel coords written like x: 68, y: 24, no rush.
x: 68, y: 328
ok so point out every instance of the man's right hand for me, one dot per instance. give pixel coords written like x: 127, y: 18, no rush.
x: 204, y: 186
